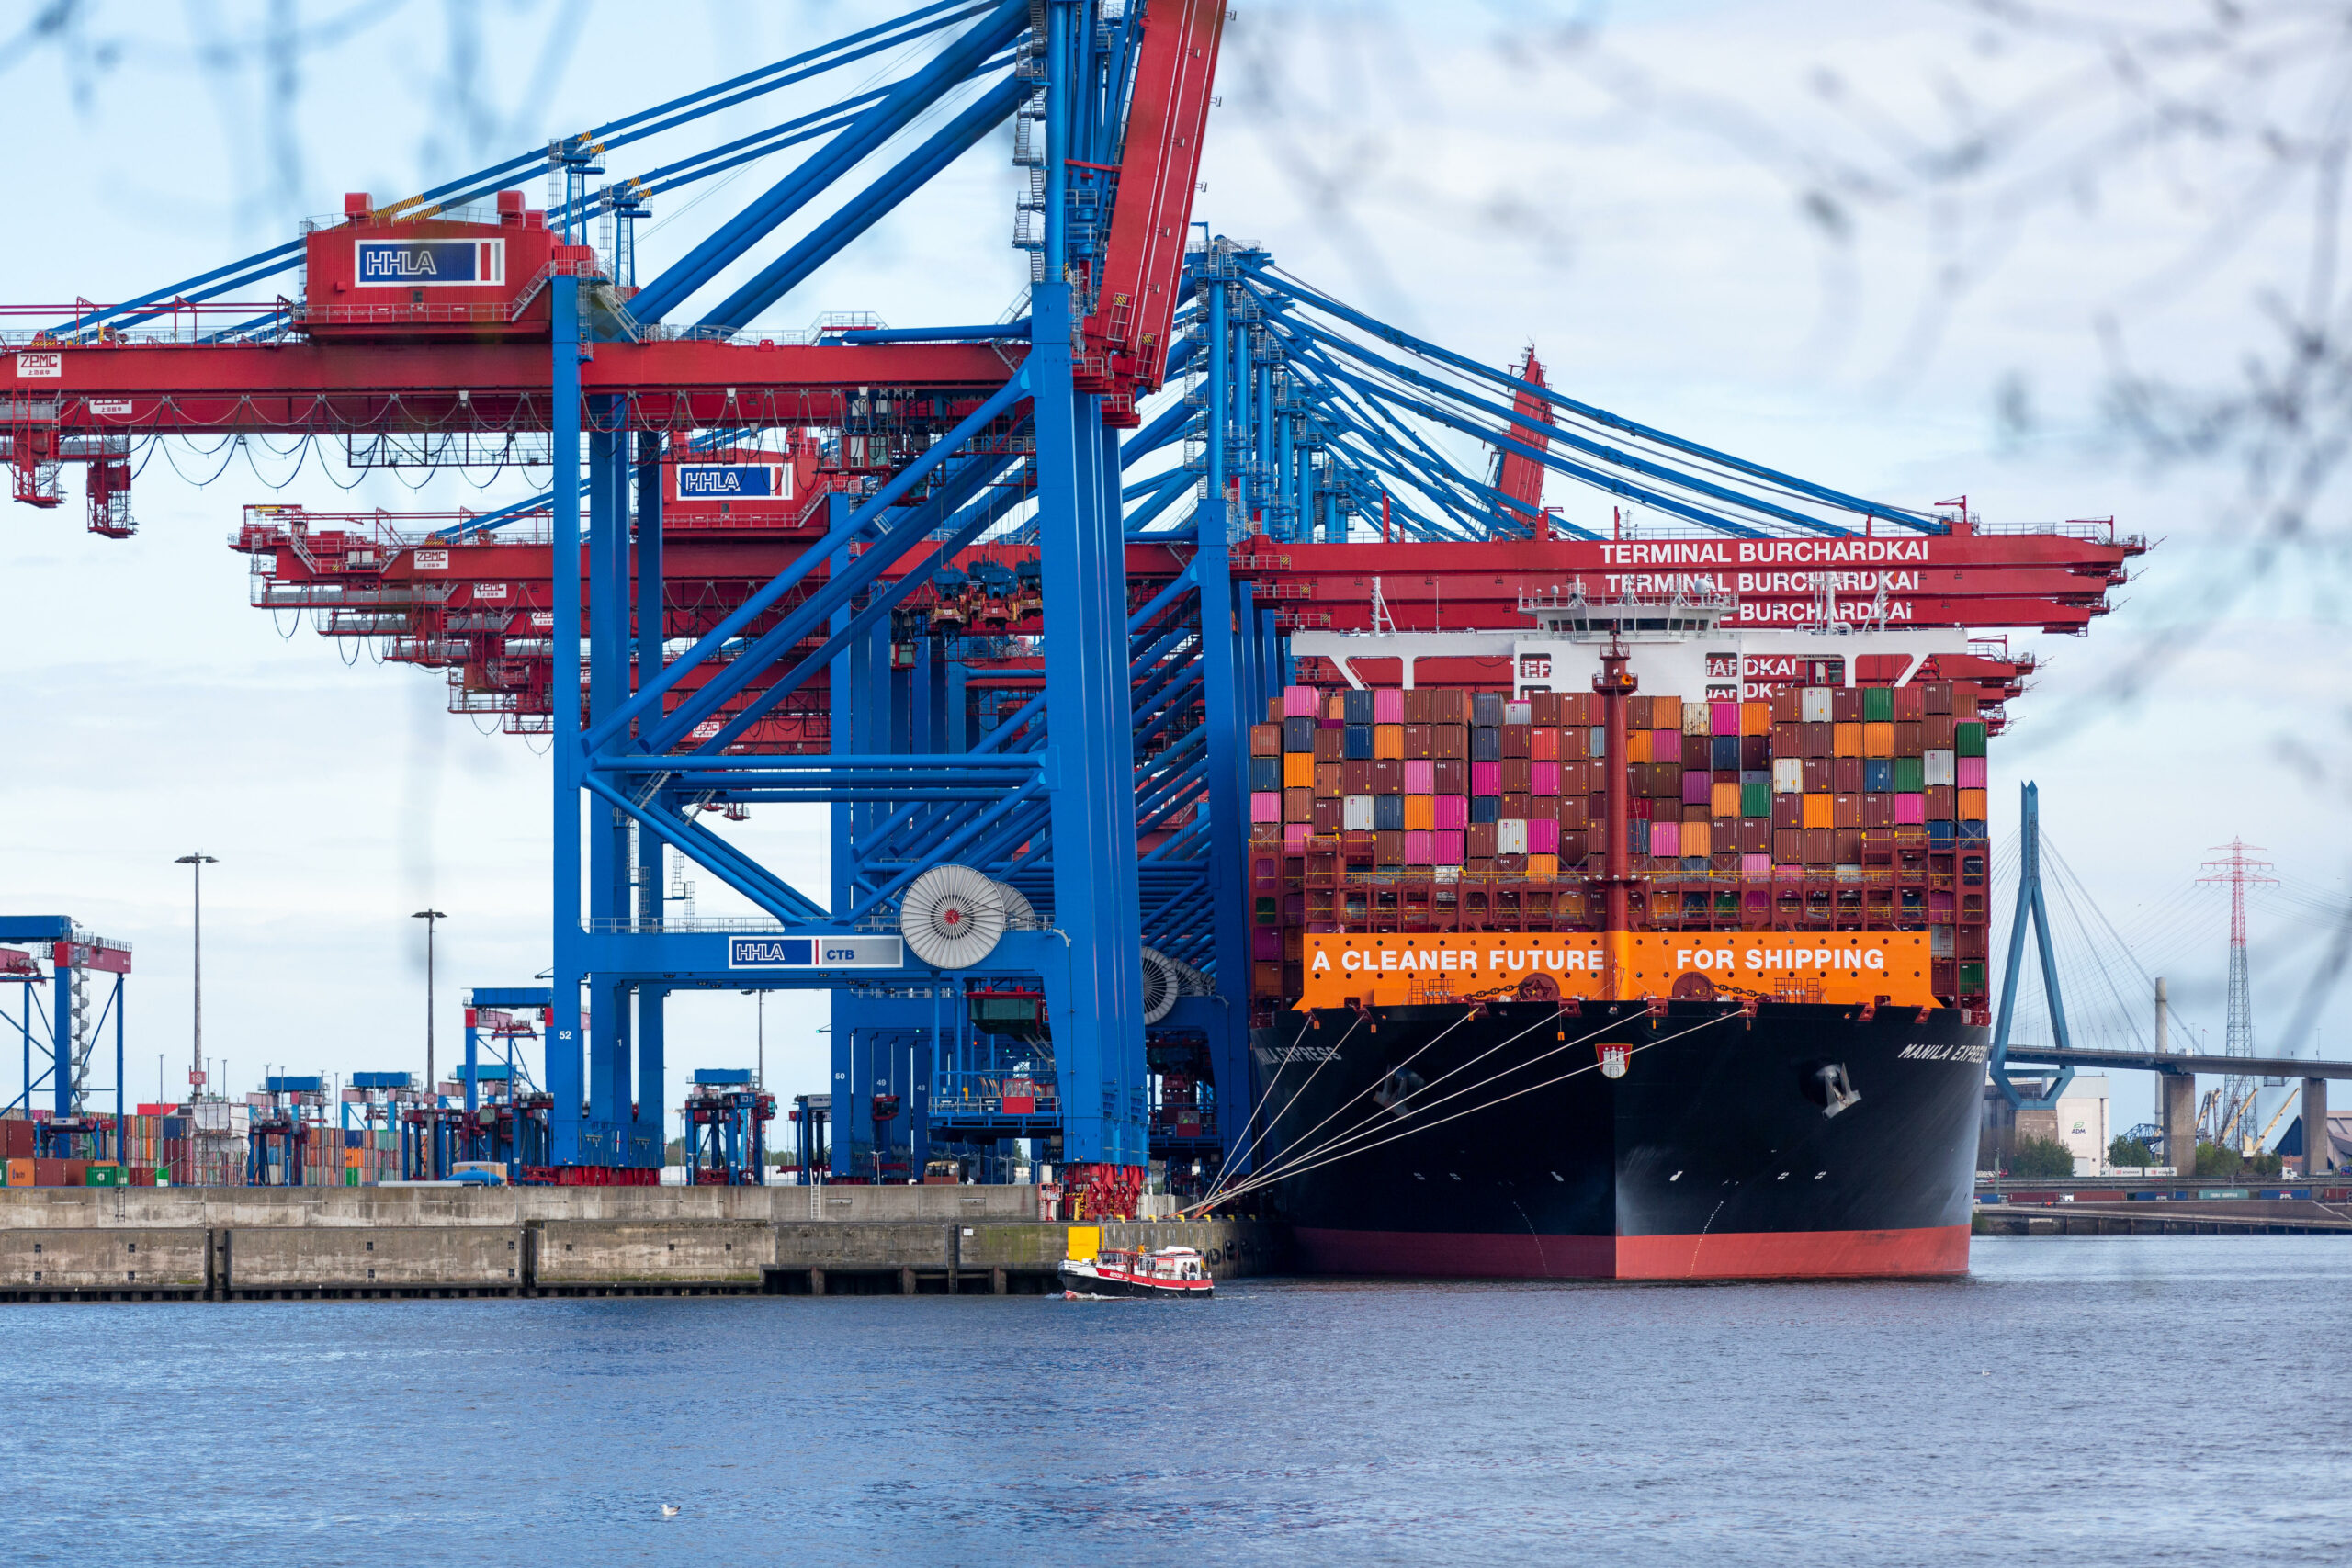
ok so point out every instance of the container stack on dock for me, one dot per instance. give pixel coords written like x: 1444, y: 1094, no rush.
x: 1441, y: 809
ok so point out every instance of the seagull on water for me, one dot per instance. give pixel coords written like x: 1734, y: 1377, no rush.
x: 669, y: 1510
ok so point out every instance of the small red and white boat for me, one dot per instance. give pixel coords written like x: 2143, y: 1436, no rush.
x: 1171, y: 1272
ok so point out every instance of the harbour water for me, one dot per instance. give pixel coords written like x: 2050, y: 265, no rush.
x: 2142, y: 1400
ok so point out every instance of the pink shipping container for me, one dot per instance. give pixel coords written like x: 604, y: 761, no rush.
x: 1698, y: 789
x: 1756, y: 865
x: 1972, y: 771
x: 1265, y: 806
x: 1420, y: 846
x: 1666, y: 746
x: 1543, y: 778
x: 1452, y: 813
x: 1665, y: 837
x: 1301, y: 702
x: 1910, y: 810
x: 1722, y: 718
x: 1294, y: 838
x: 1266, y: 942
x: 1388, y: 705
x: 1450, y: 848
x: 1485, y: 778
x: 1542, y: 836
x: 1420, y: 776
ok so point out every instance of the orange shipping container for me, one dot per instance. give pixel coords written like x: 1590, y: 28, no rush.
x: 1723, y: 800
x: 1298, y: 770
x: 1878, y: 739
x: 1846, y: 741
x: 20, y: 1173
x: 1819, y: 811
x: 1756, y: 718
x: 1638, y: 746
x: 1420, y: 813
x: 1388, y: 741
x: 1972, y: 805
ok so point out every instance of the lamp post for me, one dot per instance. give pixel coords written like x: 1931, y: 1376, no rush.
x: 196, y: 864
x: 432, y: 919
x: 759, y: 1006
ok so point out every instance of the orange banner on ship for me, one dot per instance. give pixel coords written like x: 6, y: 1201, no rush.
x: 1844, y: 967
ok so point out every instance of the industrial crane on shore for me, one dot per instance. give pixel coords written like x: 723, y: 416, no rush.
x: 1004, y: 597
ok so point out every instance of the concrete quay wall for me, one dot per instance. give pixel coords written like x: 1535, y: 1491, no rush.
x: 231, y: 1244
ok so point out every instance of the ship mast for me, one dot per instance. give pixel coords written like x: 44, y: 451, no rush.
x: 1615, y: 683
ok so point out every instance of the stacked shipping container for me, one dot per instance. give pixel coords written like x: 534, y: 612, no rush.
x: 164, y: 1145
x: 1822, y: 808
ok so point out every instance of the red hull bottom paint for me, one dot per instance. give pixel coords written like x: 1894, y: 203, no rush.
x: 1762, y: 1255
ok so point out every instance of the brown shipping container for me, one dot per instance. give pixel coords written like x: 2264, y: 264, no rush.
x: 1544, y: 708
x: 1387, y: 778
x: 1755, y: 836
x: 1878, y: 811
x: 1328, y: 784
x: 1846, y: 776
x: 1819, y: 739
x: 1328, y: 816
x: 1846, y: 704
x: 1355, y: 778
x: 1388, y: 847
x: 1788, y: 846
x: 1788, y: 705
x: 1453, y: 776
x: 1420, y: 739
x: 1416, y: 704
x: 1936, y: 732
x: 1846, y: 845
x: 1936, y: 697
x: 1818, y: 846
x: 1450, y: 739
x: 1788, y: 810
x: 1265, y: 740
x: 1515, y: 741
x: 1908, y: 741
x: 1448, y: 704
x: 1331, y: 745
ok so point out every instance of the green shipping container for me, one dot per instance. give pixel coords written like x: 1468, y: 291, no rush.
x: 1972, y: 979
x: 351, y: 1176
x: 1968, y: 739
x: 103, y: 1176
x: 1878, y: 705
x: 1756, y: 799
x: 1910, y: 775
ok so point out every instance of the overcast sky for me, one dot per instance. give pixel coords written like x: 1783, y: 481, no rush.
x: 1890, y: 248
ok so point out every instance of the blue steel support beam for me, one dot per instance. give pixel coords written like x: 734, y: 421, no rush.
x: 888, y: 550
x: 1082, y: 555
x: 868, y: 207
x: 566, y: 1063
x: 1227, y: 714
x: 610, y: 1002
x: 796, y: 190
x: 651, y: 621
x: 1266, y: 276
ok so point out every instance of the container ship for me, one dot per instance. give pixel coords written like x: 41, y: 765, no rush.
x: 1637, y: 947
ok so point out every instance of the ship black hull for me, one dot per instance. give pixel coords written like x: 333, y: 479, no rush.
x: 1716, y: 1156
